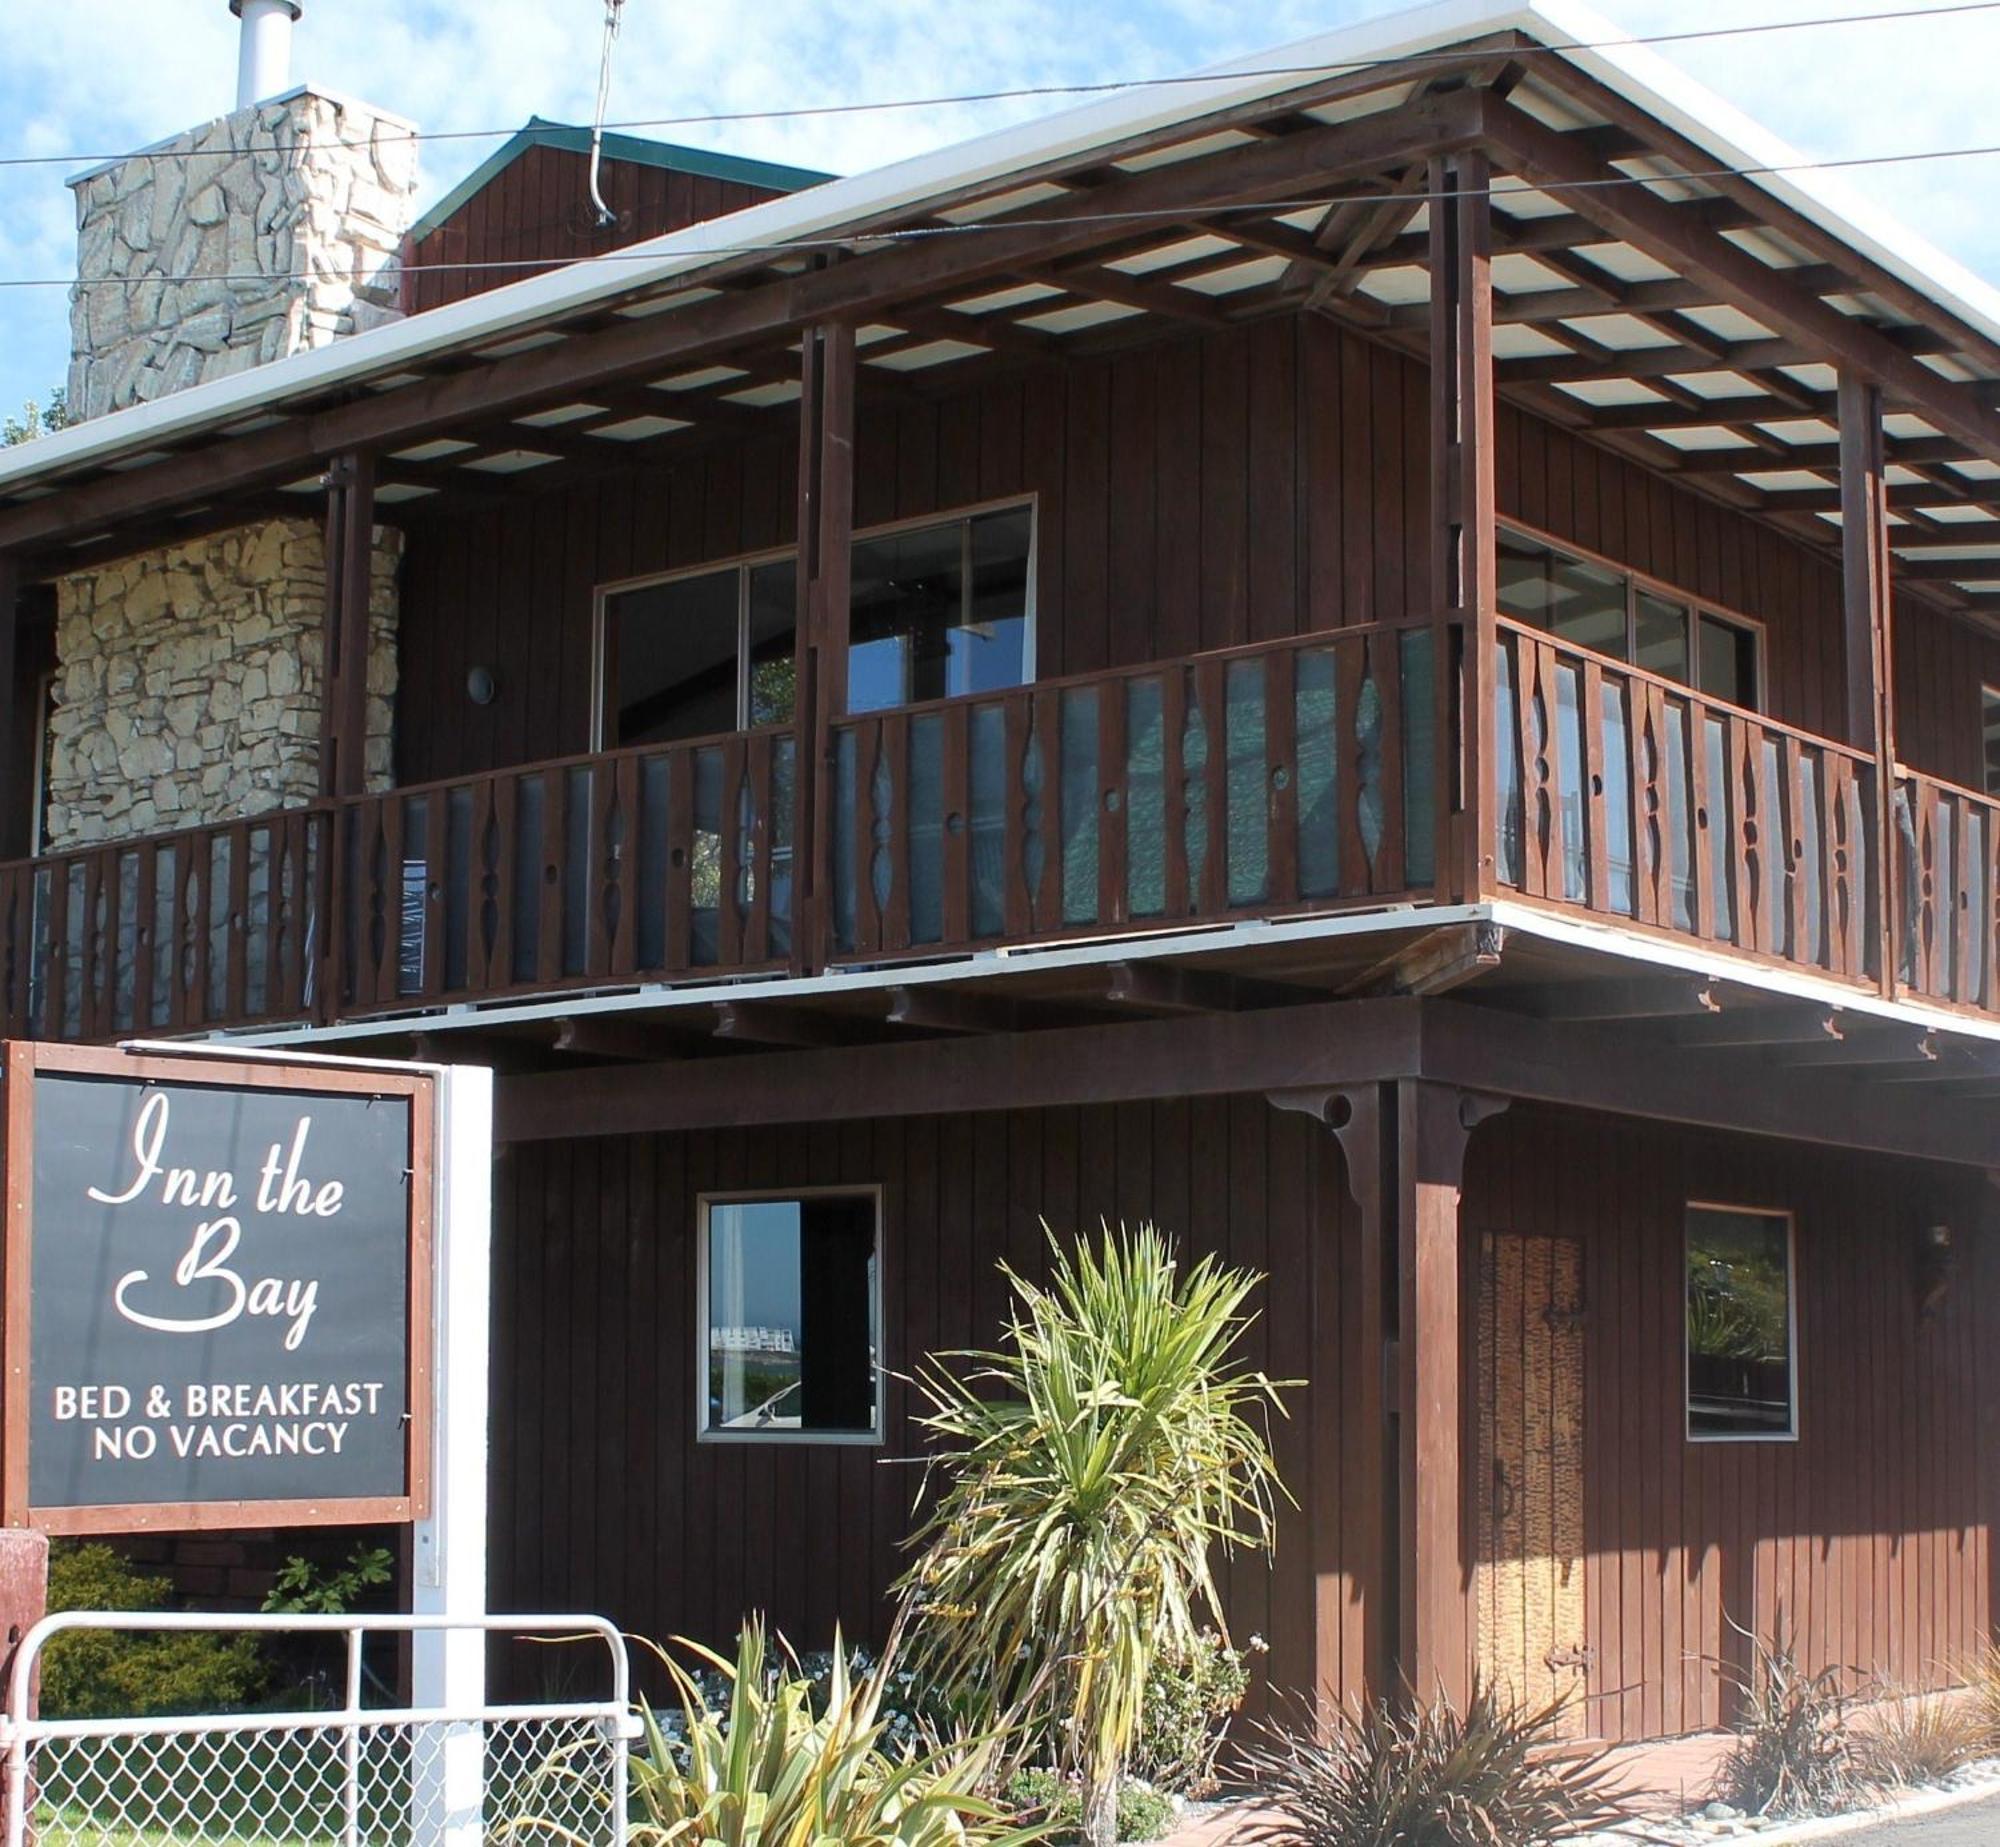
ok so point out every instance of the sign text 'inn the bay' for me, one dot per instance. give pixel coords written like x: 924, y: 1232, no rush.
x: 222, y: 1268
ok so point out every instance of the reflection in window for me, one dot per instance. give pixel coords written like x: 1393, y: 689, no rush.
x: 1595, y: 606
x: 939, y: 611
x: 792, y: 1318
x: 696, y: 656
x: 1739, y: 1323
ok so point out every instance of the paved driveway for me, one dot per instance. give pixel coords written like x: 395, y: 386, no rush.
x: 1976, y: 1824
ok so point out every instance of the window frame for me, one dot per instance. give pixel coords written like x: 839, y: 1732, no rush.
x: 1638, y: 583
x: 769, y: 1195
x: 743, y: 563
x: 1792, y: 1434
x: 1989, y: 711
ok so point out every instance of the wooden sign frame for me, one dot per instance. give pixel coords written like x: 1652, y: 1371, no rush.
x: 23, y: 1061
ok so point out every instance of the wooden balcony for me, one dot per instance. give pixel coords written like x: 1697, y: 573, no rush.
x: 1274, y: 781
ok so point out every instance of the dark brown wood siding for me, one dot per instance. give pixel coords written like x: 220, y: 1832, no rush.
x: 602, y: 1499
x: 1190, y: 496
x: 1239, y: 487
x: 1869, y: 1536
x: 537, y: 211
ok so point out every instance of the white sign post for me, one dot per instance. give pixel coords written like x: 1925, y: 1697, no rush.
x: 449, y: 1666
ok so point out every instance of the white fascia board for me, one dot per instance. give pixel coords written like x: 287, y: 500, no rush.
x: 1648, y: 80
x: 837, y: 206
x: 1602, y: 937
x: 908, y: 186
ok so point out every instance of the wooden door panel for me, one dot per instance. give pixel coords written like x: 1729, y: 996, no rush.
x: 1529, y: 1485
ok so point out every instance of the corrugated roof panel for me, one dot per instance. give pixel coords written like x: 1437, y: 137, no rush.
x: 1166, y: 256
x: 1622, y: 332
x: 1626, y: 262
x: 1729, y: 323
x: 1720, y: 385
x: 1075, y: 319
x: 1177, y: 151
x: 1704, y: 436
x: 1237, y: 277
x: 1607, y: 392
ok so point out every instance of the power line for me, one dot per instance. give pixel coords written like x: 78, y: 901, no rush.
x: 1108, y: 86
x: 850, y: 241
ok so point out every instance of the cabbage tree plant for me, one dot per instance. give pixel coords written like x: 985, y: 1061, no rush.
x: 1090, y: 1470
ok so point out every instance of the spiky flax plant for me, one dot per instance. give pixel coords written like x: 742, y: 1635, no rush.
x: 1090, y: 1469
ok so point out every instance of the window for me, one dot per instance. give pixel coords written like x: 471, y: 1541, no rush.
x: 1989, y: 725
x: 1597, y: 606
x: 940, y: 610
x: 698, y: 654
x: 1741, y: 1370
x: 790, y: 1335
x: 936, y: 609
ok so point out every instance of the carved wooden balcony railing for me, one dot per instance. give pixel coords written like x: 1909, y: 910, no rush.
x: 212, y: 926
x: 1269, y: 781
x: 648, y: 864
x: 1947, y: 892
x: 1280, y: 778
x: 1631, y: 796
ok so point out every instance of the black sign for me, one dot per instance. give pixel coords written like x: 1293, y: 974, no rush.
x: 219, y: 1293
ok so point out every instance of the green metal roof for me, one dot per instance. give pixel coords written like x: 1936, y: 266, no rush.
x: 570, y: 137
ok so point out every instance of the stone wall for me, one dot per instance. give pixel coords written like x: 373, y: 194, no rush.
x: 263, y: 233
x: 188, y: 688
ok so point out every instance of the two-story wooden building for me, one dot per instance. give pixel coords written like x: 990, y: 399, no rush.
x: 1389, y: 656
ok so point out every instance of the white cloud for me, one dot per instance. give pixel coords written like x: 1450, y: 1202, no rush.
x: 103, y: 75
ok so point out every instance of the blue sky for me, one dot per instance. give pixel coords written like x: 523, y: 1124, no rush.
x: 101, y: 76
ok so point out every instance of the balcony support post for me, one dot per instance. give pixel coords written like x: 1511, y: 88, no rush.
x: 1870, y: 642
x: 1464, y: 534
x: 19, y: 830
x: 826, y: 523
x: 350, y: 552
x: 1403, y: 1143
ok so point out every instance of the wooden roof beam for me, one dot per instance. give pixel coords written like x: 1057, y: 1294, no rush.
x: 1784, y: 300
x: 861, y: 287
x: 1778, y: 1024
x: 1635, y: 997
x: 1761, y: 207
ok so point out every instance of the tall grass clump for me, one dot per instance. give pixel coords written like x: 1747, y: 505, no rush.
x: 1405, y: 1774
x: 1091, y: 1469
x: 1793, y: 1753
x: 1911, y: 1740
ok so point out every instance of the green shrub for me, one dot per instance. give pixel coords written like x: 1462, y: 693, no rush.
x: 1052, y: 1803
x: 771, y: 1764
x: 100, y: 1674
x: 1429, y: 1776
x: 1091, y: 1470
x: 1192, y: 1693
x: 1792, y: 1754
x: 305, y: 1587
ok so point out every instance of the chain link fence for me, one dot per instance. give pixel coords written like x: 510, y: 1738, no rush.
x: 355, y: 1775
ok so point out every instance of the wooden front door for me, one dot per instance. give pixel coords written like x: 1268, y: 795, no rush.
x: 1531, y: 1640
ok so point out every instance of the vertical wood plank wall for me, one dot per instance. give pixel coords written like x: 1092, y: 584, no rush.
x: 537, y: 210
x: 1869, y: 1535
x: 602, y: 1498
x: 1237, y: 487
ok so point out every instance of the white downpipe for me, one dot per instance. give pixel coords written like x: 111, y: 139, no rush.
x: 449, y: 1666
x: 264, y: 48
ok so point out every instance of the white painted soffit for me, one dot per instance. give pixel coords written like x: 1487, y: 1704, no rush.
x: 910, y: 186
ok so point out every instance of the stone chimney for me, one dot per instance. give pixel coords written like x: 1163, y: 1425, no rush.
x: 265, y: 232
x: 188, y: 685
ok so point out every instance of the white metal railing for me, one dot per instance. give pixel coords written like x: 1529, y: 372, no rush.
x: 351, y: 1775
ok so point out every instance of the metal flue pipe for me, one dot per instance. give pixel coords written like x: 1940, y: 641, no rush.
x: 264, y: 51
